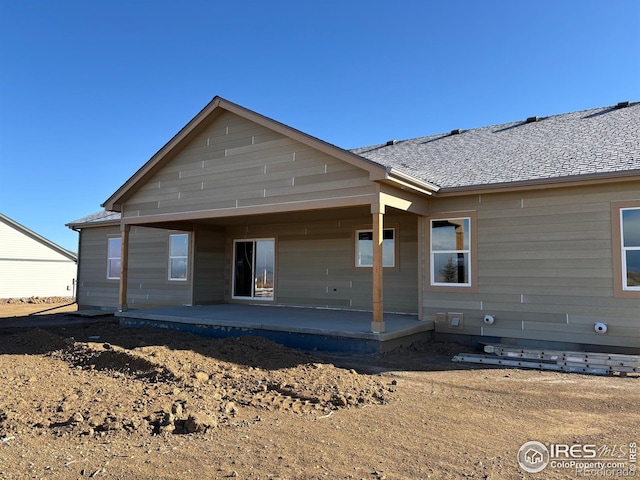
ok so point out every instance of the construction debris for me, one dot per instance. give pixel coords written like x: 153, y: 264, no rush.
x: 575, y: 362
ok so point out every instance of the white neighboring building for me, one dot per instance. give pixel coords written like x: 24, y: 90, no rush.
x: 32, y: 266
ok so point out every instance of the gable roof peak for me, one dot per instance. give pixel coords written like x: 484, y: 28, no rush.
x: 115, y: 201
x: 38, y: 238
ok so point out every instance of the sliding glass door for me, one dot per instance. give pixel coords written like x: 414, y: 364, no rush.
x: 253, y: 269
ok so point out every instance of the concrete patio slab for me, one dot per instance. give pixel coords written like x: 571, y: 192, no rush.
x: 305, y: 328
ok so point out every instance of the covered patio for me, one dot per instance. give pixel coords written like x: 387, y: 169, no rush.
x: 296, y: 327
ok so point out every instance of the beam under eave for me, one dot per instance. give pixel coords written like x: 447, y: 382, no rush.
x: 403, y: 200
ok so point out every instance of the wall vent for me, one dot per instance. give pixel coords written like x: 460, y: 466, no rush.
x: 455, y: 320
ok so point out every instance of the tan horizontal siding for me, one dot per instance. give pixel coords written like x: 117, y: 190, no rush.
x: 148, y: 284
x: 146, y: 209
x: 235, y: 163
x: 493, y: 229
x: 490, y: 257
x: 574, y: 233
x: 209, y: 266
x: 506, y: 275
x: 543, y: 309
x: 545, y: 267
x: 93, y: 287
x: 302, y: 196
x: 519, y: 217
x: 593, y: 194
x: 589, y: 319
x: 546, y: 287
x: 315, y: 262
x: 252, y: 151
x: 617, y: 335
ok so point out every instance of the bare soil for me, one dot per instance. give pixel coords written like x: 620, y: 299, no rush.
x: 96, y: 400
x: 16, y: 307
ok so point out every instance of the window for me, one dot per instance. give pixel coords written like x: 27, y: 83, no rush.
x: 630, y: 246
x: 178, y: 256
x: 114, y: 254
x: 451, y: 252
x: 364, y: 248
x: 253, y: 269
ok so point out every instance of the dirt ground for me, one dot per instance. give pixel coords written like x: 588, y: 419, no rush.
x: 94, y: 400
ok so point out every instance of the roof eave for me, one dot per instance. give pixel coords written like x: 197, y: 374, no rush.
x: 543, y: 183
x: 99, y: 223
x: 406, y: 181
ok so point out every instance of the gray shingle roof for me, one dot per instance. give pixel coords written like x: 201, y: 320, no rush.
x: 102, y: 216
x: 602, y: 140
x: 598, y: 141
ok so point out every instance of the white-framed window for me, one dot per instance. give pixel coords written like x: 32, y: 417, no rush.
x: 451, y: 252
x: 114, y: 255
x: 364, y: 248
x: 178, y: 256
x: 630, y: 247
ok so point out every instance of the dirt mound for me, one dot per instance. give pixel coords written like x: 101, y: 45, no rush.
x: 33, y: 342
x: 96, y: 400
x: 191, y: 386
x: 35, y: 300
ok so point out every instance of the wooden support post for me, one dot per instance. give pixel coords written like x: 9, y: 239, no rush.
x: 377, y: 325
x: 422, y: 222
x: 124, y: 267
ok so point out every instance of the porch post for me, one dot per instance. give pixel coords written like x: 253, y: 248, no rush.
x: 422, y: 221
x: 377, y: 325
x: 124, y: 267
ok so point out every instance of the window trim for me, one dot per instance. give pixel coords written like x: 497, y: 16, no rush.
x: 470, y: 287
x: 253, y: 298
x: 119, y: 257
x: 358, y: 230
x: 619, y: 271
x: 170, y: 257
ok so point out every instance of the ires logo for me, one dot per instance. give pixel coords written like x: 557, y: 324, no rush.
x: 585, y: 459
x: 533, y: 457
x: 562, y: 451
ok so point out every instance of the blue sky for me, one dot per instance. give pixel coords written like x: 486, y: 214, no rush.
x: 89, y: 90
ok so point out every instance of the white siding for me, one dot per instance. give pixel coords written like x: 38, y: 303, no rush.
x: 29, y: 268
x: 15, y: 244
x: 23, y: 279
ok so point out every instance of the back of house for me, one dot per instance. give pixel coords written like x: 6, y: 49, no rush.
x: 527, y: 232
